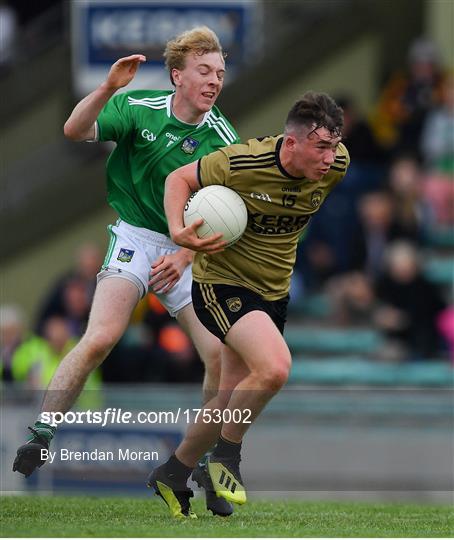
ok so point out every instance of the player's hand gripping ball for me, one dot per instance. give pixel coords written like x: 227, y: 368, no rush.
x: 222, y: 210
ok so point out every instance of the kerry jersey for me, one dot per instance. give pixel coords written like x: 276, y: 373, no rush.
x: 279, y: 208
x: 152, y: 143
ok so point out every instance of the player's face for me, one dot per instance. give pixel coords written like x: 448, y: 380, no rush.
x: 314, y: 153
x: 201, y: 80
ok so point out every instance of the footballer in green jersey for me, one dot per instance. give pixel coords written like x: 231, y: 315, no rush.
x: 155, y: 132
x: 151, y: 143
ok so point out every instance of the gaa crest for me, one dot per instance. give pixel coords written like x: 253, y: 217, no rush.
x: 234, y: 304
x: 316, y: 198
x: 125, y: 255
x: 189, y: 145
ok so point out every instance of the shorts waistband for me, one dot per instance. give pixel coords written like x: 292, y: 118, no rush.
x: 148, y: 235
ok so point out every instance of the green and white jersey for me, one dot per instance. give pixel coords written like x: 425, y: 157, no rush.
x: 151, y: 143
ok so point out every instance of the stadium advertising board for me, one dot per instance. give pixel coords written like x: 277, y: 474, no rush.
x: 104, y: 30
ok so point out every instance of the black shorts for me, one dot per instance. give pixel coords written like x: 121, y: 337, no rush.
x: 219, y: 306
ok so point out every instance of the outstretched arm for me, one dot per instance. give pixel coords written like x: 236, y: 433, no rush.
x: 179, y: 186
x: 80, y: 126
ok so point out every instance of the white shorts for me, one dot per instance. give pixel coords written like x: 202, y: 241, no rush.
x: 130, y: 254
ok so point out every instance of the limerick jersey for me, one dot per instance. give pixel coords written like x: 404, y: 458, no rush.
x: 151, y: 143
x: 279, y: 208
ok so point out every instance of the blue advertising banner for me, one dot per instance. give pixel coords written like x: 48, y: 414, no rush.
x: 104, y: 30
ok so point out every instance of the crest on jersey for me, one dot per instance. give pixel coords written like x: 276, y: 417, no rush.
x: 189, y: 145
x: 316, y: 198
x: 125, y: 255
x: 234, y: 304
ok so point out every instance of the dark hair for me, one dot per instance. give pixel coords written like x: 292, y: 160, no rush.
x: 315, y: 111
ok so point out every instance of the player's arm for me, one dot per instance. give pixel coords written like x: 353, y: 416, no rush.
x: 80, y: 125
x: 179, y: 186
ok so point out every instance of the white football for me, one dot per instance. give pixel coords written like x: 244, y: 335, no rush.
x: 222, y: 210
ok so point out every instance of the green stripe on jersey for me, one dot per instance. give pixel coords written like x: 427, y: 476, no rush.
x: 112, y: 242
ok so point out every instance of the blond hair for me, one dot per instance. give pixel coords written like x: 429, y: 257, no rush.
x: 200, y: 40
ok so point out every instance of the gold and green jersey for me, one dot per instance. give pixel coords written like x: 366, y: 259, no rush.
x: 279, y: 208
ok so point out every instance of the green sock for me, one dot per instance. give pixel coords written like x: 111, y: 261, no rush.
x: 204, y: 459
x: 45, y: 430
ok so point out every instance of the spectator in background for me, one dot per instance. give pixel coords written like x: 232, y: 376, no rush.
x: 34, y: 361
x: 413, y: 216
x: 407, y: 98
x: 437, y: 148
x: 376, y: 229
x: 363, y: 147
x: 156, y: 316
x: 437, y: 140
x: 445, y: 325
x: 172, y: 357
x: 71, y: 295
x: 352, y: 299
x: 315, y: 264
x: 153, y: 349
x: 182, y: 362
x: 138, y: 356
x: 12, y: 335
x: 76, y: 305
x: 410, y: 304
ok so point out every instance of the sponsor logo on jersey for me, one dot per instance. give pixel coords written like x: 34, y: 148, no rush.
x: 125, y: 255
x: 189, y: 145
x: 147, y: 134
x: 173, y: 138
x: 234, y: 304
x: 271, y: 224
x: 316, y: 198
x: 291, y: 189
x: 261, y: 196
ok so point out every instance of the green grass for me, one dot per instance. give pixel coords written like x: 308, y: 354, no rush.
x: 112, y: 517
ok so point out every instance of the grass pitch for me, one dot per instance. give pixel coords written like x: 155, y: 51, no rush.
x: 121, y: 517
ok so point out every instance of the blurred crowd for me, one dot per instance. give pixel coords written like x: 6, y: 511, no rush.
x: 371, y: 246
x: 366, y: 251
x: 154, y: 348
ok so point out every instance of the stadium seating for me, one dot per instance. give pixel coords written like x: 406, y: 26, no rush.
x: 333, y: 340
x: 354, y: 370
x: 439, y: 269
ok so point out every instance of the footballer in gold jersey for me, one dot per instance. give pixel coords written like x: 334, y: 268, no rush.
x: 240, y: 294
x: 279, y: 208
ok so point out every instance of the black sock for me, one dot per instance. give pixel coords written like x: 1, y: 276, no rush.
x: 227, y: 449
x: 180, y: 471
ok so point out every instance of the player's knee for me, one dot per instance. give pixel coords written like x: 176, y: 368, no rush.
x: 213, y: 365
x: 212, y: 362
x: 276, y: 375
x: 98, y: 345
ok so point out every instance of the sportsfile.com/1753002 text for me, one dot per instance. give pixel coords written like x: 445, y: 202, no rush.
x: 118, y: 416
